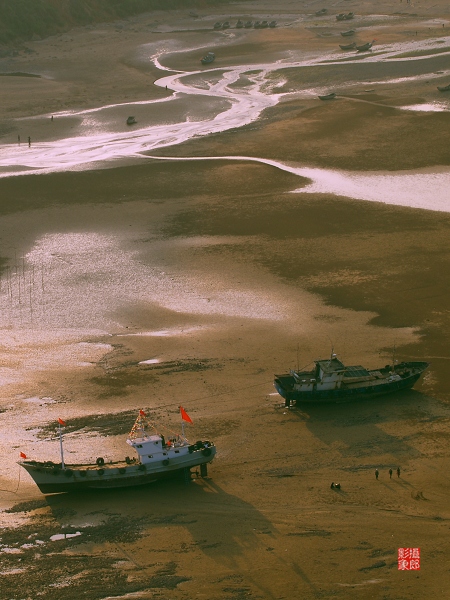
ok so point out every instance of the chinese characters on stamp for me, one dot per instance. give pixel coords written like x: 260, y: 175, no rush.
x: 409, y: 559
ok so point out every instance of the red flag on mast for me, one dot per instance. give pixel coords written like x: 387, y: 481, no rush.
x: 142, y: 413
x: 61, y: 422
x: 23, y: 455
x: 184, y: 415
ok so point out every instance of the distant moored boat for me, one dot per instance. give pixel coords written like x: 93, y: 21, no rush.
x: 365, y: 47
x: 345, y: 16
x: 329, y: 96
x: 332, y: 381
x: 208, y: 59
x: 444, y: 88
x: 131, y: 121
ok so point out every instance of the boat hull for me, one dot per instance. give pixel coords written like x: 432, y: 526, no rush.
x: 284, y: 384
x: 51, y: 478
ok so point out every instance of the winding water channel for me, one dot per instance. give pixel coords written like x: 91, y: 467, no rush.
x: 214, y: 100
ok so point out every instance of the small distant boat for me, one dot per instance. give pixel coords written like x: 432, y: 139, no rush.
x: 272, y: 24
x: 257, y: 24
x: 365, y: 47
x: 248, y: 24
x: 208, y: 59
x: 321, y: 12
x: 131, y: 121
x: 351, y: 46
x: 239, y: 24
x: 217, y: 25
x: 225, y: 25
x: 330, y: 96
x: 444, y: 88
x: 348, y: 33
x: 264, y: 24
x: 345, y: 16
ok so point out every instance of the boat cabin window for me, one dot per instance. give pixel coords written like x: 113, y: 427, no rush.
x: 177, y: 452
x: 139, y: 446
x: 150, y: 456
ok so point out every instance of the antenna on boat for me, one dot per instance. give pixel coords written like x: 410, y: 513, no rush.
x: 61, y: 422
x: 332, y: 349
x: 298, y: 362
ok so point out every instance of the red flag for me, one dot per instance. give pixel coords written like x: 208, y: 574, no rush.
x: 142, y: 413
x: 23, y: 455
x: 184, y: 415
x: 61, y: 422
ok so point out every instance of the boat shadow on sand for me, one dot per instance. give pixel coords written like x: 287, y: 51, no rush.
x: 156, y: 529
x: 196, y: 507
x: 358, y: 429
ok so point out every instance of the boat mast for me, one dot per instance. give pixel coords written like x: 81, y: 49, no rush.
x: 61, y: 445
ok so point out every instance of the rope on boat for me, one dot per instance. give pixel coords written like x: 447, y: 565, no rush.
x: 12, y: 491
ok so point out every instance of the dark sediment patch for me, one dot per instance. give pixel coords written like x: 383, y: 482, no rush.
x: 19, y: 74
x: 92, y: 575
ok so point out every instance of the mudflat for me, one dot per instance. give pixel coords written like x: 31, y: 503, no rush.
x: 148, y: 284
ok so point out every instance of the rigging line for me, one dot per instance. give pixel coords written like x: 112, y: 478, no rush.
x: 233, y: 391
x: 221, y: 394
x: 12, y: 491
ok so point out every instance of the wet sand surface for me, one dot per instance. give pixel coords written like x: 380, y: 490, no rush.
x: 148, y: 283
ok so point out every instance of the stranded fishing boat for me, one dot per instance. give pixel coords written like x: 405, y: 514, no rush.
x: 345, y: 16
x: 351, y: 46
x: 208, y: 59
x: 157, y: 458
x: 332, y: 381
x: 444, y: 88
x: 330, y: 96
x: 365, y: 47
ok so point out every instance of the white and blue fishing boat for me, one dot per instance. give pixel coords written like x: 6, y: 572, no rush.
x: 157, y: 457
x: 332, y: 381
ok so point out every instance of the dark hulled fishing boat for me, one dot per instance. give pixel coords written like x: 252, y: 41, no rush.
x: 332, y: 381
x: 330, y: 96
x: 365, y: 47
x: 208, y: 58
